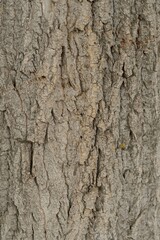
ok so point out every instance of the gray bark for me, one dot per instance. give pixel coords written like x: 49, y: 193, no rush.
x: 79, y: 120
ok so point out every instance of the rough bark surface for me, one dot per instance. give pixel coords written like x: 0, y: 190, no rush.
x: 79, y: 112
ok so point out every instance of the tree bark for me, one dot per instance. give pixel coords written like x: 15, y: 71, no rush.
x: 79, y: 120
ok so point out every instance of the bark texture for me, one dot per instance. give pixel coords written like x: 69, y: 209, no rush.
x: 79, y: 120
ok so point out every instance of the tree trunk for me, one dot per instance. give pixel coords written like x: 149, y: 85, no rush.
x: 79, y: 112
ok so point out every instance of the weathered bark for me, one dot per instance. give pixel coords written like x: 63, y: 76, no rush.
x: 79, y: 112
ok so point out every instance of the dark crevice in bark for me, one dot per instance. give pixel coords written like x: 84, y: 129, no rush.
x: 32, y: 232
x: 31, y: 159
x: 14, y: 83
x: 123, y: 71
x: 63, y: 56
x: 53, y: 116
x: 98, y: 166
x: 69, y: 207
x: 62, y: 65
x: 46, y: 136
